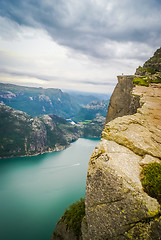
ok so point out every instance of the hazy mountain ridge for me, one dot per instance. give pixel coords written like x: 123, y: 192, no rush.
x: 38, y: 102
x: 92, y: 110
x: 41, y: 101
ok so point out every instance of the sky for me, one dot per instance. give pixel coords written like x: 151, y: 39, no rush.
x: 76, y: 44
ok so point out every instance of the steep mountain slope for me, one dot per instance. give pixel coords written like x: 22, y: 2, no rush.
x: 21, y: 135
x: 151, y: 68
x: 123, y: 191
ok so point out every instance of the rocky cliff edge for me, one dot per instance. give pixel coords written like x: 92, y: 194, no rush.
x: 117, y: 207
x: 123, y: 190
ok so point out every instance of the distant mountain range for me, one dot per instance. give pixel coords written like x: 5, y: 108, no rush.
x: 93, y: 110
x: 40, y: 101
x: 32, y: 120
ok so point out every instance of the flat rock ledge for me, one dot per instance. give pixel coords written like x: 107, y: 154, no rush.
x: 116, y: 205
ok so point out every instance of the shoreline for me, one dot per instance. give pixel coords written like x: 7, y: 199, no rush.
x: 56, y: 149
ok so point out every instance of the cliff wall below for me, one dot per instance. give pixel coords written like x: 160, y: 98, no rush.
x: 117, y: 206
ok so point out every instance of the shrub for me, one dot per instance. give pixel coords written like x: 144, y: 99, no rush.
x: 158, y: 80
x: 74, y: 215
x: 142, y: 81
x: 151, y: 180
x: 150, y: 70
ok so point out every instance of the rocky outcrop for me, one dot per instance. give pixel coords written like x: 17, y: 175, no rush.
x: 122, y: 102
x: 151, y: 68
x: 62, y: 232
x: 116, y: 205
x: 152, y: 65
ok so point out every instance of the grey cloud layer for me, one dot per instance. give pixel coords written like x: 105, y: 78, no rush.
x: 55, y: 78
x: 90, y: 25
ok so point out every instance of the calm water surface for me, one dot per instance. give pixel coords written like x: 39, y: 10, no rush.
x: 35, y: 191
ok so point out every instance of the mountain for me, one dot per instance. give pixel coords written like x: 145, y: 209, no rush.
x: 91, y: 111
x: 123, y: 190
x: 45, y: 101
x: 76, y: 106
x: 23, y: 135
x: 38, y: 101
x: 83, y: 98
x: 32, y: 119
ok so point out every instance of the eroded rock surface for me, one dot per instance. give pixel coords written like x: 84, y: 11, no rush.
x: 116, y: 205
x: 122, y: 102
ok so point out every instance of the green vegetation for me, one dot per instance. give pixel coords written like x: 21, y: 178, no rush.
x: 142, y: 81
x: 151, y: 180
x: 158, y: 80
x: 86, y: 121
x: 150, y: 70
x: 74, y: 215
x: 146, y: 69
x: 92, y: 129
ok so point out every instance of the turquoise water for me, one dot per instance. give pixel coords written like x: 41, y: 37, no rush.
x: 35, y: 191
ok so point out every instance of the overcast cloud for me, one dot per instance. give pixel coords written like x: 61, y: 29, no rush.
x: 73, y: 44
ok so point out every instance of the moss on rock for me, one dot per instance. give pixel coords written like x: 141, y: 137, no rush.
x: 151, y: 180
x: 142, y: 81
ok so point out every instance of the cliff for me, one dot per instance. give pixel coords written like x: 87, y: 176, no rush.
x: 123, y: 190
x: 117, y: 206
x: 122, y: 102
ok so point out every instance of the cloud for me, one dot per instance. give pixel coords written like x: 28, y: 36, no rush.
x: 76, y: 44
x: 90, y: 26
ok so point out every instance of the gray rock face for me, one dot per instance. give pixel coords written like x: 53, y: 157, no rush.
x: 116, y: 205
x: 63, y: 233
x: 122, y: 102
